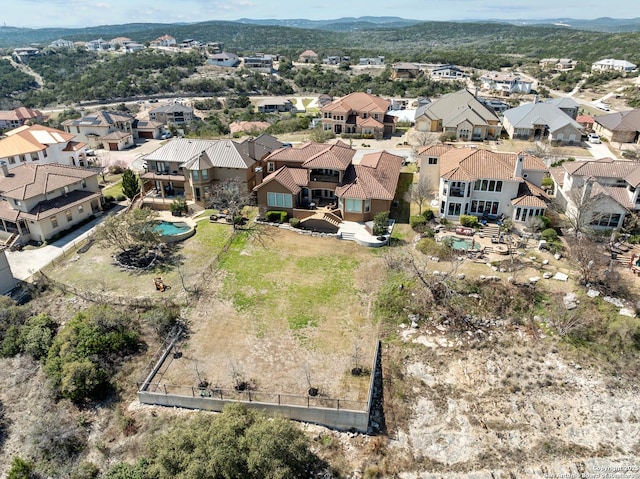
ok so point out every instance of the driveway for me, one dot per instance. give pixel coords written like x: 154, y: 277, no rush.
x: 601, y: 150
x: 27, y: 262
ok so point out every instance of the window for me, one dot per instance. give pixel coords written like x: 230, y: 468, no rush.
x: 205, y: 174
x: 281, y: 200
x: 353, y: 206
x: 608, y: 220
x: 488, y: 185
x: 12, y: 160
x: 45, y: 154
x: 80, y: 209
x: 367, y: 206
x: 77, y: 129
x: 34, y: 156
x: 196, y: 175
x: 54, y: 222
x: 68, y: 215
x: 271, y: 167
x: 84, y: 183
x: 432, y: 160
x: 23, y: 158
x: 454, y: 209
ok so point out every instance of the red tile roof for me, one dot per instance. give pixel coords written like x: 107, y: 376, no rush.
x: 375, y: 177
x: 29, y: 180
x: 358, y: 101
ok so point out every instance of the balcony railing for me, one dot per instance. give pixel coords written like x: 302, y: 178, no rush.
x: 325, y: 178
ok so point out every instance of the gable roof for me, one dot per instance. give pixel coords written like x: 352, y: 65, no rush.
x: 358, y: 101
x: 375, y: 177
x: 606, y: 168
x: 336, y: 156
x: 530, y: 114
x: 434, y: 150
x: 620, y: 121
x: 456, y: 107
x: 172, y: 108
x: 220, y: 153
x: 20, y: 114
x: 563, y: 102
x: 293, y: 179
x: 29, y: 180
x: 529, y: 195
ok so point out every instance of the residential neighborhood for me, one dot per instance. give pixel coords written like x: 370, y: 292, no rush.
x: 284, y: 246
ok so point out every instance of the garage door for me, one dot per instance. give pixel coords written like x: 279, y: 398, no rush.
x: 145, y: 134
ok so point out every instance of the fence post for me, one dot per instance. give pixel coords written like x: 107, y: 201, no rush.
x: 221, y: 398
x: 165, y: 389
x: 249, y: 395
x: 278, y: 399
x: 307, y: 401
x: 193, y: 391
x: 338, y: 404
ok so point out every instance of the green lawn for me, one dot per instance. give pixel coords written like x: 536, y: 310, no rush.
x: 114, y: 190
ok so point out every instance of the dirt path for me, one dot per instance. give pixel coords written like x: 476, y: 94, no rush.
x: 26, y: 69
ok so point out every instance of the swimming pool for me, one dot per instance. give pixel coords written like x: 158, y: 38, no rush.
x: 461, y: 244
x: 172, y: 231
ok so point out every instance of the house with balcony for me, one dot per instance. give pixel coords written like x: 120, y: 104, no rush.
x: 460, y: 115
x: 94, y: 127
x: 606, y: 189
x: 173, y: 114
x: 505, y: 83
x: 259, y: 62
x: 39, y: 144
x: 61, y: 44
x: 483, y: 183
x: 405, y: 71
x: 542, y: 121
x: 448, y: 72
x: 323, y: 186
x: 223, y: 59
x: 38, y: 201
x: 358, y: 113
x: 191, y: 168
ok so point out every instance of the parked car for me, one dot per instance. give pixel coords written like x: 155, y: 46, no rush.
x: 90, y: 152
x: 593, y: 138
x: 602, y: 106
x: 165, y: 136
x: 153, y: 100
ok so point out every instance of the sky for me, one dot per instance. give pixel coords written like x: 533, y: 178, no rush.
x: 81, y: 13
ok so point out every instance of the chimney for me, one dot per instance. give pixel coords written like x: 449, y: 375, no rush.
x: 259, y: 175
x: 517, y: 171
x: 4, y: 168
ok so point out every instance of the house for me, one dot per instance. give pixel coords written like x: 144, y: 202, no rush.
x: 133, y: 47
x: 609, y: 64
x: 405, y: 70
x: 274, y: 105
x: 586, y: 122
x: 621, y: 127
x: 308, y: 56
x: 60, y: 43
x: 606, y: 189
x: 214, y: 47
x: 558, y: 64
x: 259, y: 62
x: 189, y: 43
x: 22, y: 55
x: 479, y: 182
x: 460, y: 115
x: 336, y: 59
x: 38, y: 201
x: 149, y: 130
x: 378, y: 61
x: 19, y: 116
x: 538, y: 121
x: 41, y: 145
x: 93, y: 127
x: 569, y: 106
x: 191, y: 168
x: 7, y: 281
x: 165, y: 41
x: 505, y: 83
x: 248, y: 126
x: 322, y: 185
x: 358, y: 113
x: 173, y: 114
x: 428, y: 160
x: 98, y: 45
x: 448, y: 72
x: 118, y: 43
x: 223, y: 59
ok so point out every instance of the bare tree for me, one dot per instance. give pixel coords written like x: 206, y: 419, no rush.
x: 133, y: 228
x: 231, y: 195
x: 589, y: 257
x: 423, y: 138
x: 418, y: 193
x: 581, y: 210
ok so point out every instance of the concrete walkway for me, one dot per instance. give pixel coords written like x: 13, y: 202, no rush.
x: 27, y: 262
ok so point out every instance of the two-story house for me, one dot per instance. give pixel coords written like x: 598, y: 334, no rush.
x: 358, y: 113
x: 18, y: 117
x: 323, y: 186
x: 191, y: 168
x: 173, y: 114
x: 474, y: 181
x: 38, y: 201
x: 448, y: 72
x: 460, y: 115
x: 41, y: 144
x: 606, y: 190
x: 404, y: 70
x: 94, y: 129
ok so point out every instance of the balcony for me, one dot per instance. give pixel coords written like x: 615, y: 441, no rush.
x: 456, y: 192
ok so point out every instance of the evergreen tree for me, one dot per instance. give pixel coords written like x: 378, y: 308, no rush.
x: 130, y: 184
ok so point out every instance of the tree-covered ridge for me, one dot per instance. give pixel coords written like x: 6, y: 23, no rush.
x: 13, y: 80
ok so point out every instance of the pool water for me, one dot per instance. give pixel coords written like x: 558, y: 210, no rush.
x: 462, y: 243
x: 168, y: 228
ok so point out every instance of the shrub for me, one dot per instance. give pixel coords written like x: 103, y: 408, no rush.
x: 109, y: 199
x: 550, y: 235
x: 431, y: 247
x: 545, y: 221
x: 178, y: 206
x: 20, y: 469
x: 294, y: 222
x: 469, y: 221
x: 277, y: 216
x: 428, y: 215
x: 116, y: 169
x: 162, y: 318
x: 37, y: 335
x: 381, y: 223
x: 417, y: 222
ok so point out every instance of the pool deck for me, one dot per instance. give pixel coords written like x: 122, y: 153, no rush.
x: 486, y: 245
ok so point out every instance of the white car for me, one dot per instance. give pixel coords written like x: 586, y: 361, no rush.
x: 602, y: 106
x: 593, y: 138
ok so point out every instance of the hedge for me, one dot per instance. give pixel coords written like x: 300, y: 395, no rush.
x: 417, y: 221
x: 278, y: 216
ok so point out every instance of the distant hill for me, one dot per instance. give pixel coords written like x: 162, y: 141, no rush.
x: 340, y: 24
x: 603, y: 24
